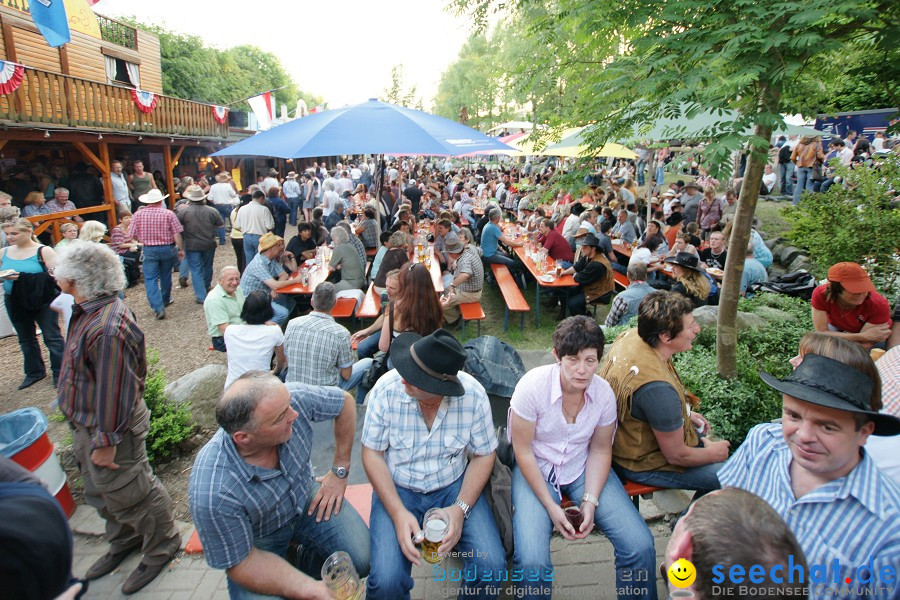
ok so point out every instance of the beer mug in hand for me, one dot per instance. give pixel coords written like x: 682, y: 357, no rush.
x: 435, y: 526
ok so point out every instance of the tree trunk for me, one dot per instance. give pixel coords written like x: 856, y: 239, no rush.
x: 726, y: 332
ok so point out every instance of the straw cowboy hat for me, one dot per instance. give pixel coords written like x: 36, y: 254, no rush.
x: 222, y: 177
x: 152, y: 197
x: 194, y: 193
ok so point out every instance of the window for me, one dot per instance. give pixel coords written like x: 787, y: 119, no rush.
x: 123, y: 72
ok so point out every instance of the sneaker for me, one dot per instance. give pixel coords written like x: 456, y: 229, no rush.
x: 170, y: 301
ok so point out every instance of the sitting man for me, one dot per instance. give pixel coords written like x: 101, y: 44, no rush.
x: 624, y: 229
x: 318, y: 348
x: 555, y: 244
x: 491, y: 253
x: 223, y: 305
x: 252, y: 490
x: 754, y: 272
x: 594, y: 276
x: 657, y: 443
x: 467, y: 278
x: 425, y: 418
x: 265, y: 272
x: 625, y: 305
x: 706, y: 535
x: 848, y: 306
x: 715, y: 255
x: 303, y: 245
x: 813, y: 470
x: 441, y: 229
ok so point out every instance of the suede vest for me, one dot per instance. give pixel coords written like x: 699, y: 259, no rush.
x: 594, y: 290
x: 630, y: 364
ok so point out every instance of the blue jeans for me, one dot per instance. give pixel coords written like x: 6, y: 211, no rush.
x: 479, y: 545
x: 616, y: 516
x: 225, y: 212
x: 251, y: 246
x: 703, y: 479
x: 369, y: 346
x: 345, y: 531
x: 804, y: 182
x: 201, y: 265
x: 294, y: 203
x: 158, y: 264
x: 282, y: 312
x: 785, y: 178
x: 24, y: 324
x: 184, y: 268
x: 641, y: 169
x: 359, y: 370
x: 660, y: 174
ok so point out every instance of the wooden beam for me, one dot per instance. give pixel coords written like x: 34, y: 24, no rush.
x: 3, y: 143
x: 170, y: 173
x: 95, y: 160
x: 177, y: 156
x: 107, y: 184
x: 64, y: 60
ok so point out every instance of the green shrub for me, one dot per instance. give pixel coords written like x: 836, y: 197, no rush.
x: 169, y: 422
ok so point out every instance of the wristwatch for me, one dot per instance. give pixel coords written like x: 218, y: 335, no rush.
x: 590, y: 498
x: 341, y: 472
x: 464, y: 507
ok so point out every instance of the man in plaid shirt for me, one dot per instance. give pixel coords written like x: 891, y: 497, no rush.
x: 423, y: 419
x: 159, y: 230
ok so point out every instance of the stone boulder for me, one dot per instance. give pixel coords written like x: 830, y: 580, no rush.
x: 202, y: 389
x: 707, y: 316
x: 789, y: 254
x: 776, y: 252
x: 774, y: 315
x: 771, y: 243
x: 801, y: 262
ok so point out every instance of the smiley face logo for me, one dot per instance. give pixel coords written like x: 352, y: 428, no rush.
x: 682, y: 573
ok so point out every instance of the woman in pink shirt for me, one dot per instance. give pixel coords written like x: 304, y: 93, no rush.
x: 562, y: 420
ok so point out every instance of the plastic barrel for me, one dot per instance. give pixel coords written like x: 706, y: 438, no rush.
x: 40, y: 459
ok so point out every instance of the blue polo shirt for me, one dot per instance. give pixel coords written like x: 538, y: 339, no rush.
x: 490, y: 236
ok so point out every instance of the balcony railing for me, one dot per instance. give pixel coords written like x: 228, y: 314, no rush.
x: 117, y: 32
x: 51, y: 98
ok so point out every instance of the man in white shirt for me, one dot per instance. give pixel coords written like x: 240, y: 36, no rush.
x: 344, y: 184
x: 120, y: 185
x: 254, y: 220
x: 270, y: 181
x: 223, y: 198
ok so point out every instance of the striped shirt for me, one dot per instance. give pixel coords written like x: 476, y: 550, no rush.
x: 103, y: 369
x: 234, y: 503
x: 316, y: 348
x: 420, y: 459
x: 849, y: 520
x: 154, y: 226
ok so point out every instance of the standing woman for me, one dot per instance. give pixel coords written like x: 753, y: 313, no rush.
x: 806, y: 153
x: 309, y: 186
x: 237, y: 236
x: 27, y: 297
x: 709, y: 213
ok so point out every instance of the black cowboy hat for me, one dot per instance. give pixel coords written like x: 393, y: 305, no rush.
x: 430, y: 363
x: 828, y: 382
x: 686, y: 260
x: 591, y: 240
x: 674, y: 219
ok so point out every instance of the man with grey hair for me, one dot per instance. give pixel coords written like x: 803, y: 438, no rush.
x: 318, y: 348
x: 491, y: 236
x: 252, y: 489
x: 625, y: 304
x: 5, y: 199
x: 101, y: 388
x: 223, y: 306
x: 61, y: 203
x: 624, y: 229
x: 467, y: 277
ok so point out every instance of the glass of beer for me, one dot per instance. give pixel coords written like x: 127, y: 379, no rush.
x: 573, y: 513
x: 435, y: 526
x: 341, y: 577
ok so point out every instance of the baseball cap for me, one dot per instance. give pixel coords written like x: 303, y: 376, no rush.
x: 852, y: 277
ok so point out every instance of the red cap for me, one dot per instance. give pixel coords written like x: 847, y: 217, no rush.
x: 852, y: 277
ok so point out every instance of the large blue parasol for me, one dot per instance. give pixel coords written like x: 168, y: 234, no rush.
x: 372, y: 127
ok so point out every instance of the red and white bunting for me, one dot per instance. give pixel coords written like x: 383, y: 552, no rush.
x: 220, y: 113
x: 145, y: 101
x: 11, y: 76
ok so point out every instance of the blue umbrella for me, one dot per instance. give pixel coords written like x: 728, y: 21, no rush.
x: 372, y: 127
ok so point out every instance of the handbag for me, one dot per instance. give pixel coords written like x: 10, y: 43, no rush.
x: 33, y: 291
x: 379, y: 364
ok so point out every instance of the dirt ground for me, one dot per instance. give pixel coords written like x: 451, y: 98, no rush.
x: 183, y: 345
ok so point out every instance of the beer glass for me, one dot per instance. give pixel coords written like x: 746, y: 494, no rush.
x: 435, y: 526
x: 341, y: 577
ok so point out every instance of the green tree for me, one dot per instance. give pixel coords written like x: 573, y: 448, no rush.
x: 400, y: 92
x: 628, y: 63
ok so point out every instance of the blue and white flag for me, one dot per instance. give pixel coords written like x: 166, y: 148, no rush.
x: 50, y: 18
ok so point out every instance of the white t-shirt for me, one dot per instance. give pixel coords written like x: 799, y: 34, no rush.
x: 250, y: 348
x: 571, y: 226
x: 63, y: 305
x: 769, y: 179
x: 885, y: 451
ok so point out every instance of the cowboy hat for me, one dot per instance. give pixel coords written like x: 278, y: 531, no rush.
x: 591, y: 240
x: 222, y: 177
x: 272, y: 171
x: 430, y: 363
x: 686, y: 260
x: 693, y: 184
x: 152, y: 197
x: 268, y: 240
x: 194, y: 193
x: 452, y: 244
x: 291, y: 175
x: 831, y: 383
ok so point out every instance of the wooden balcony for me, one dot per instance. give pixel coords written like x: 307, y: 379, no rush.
x: 117, y: 32
x: 56, y: 100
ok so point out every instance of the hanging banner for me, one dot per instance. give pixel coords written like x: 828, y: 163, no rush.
x: 11, y: 76
x: 81, y: 18
x: 319, y: 108
x: 262, y: 108
x: 145, y: 101
x: 220, y: 113
x: 50, y: 18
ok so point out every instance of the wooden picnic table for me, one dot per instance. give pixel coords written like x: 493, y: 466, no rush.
x: 545, y: 280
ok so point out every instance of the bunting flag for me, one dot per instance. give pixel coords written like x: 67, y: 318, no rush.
x: 220, y: 113
x: 50, y: 18
x: 319, y: 108
x: 146, y: 101
x: 262, y: 108
x: 11, y: 76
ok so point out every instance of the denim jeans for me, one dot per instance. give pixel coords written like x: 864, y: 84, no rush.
x: 804, y: 182
x: 225, y: 212
x: 785, y: 178
x: 282, y: 312
x: 201, y: 265
x: 641, y: 169
x: 660, y: 174
x: 251, y: 246
x: 24, y: 324
x: 500, y: 258
x: 369, y: 346
x: 479, y: 545
x: 345, y: 531
x: 703, y: 479
x: 158, y: 264
x: 616, y: 516
x: 294, y: 203
x: 358, y: 371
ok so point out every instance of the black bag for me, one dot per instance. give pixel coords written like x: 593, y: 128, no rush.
x: 379, y: 364
x: 798, y: 284
x: 33, y: 291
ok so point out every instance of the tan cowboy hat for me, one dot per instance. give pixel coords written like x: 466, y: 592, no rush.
x: 194, y: 193
x: 222, y: 177
x: 268, y: 240
x: 291, y: 175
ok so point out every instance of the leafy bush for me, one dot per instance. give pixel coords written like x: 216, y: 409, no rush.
x: 169, y: 422
x: 853, y: 222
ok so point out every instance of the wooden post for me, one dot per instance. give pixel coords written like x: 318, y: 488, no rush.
x: 107, y: 184
x: 170, y: 173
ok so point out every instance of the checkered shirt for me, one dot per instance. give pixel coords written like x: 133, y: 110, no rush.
x: 316, y: 348
x: 154, y: 226
x: 469, y: 262
x: 259, y: 270
x: 419, y: 459
x: 53, y: 206
x: 234, y: 502
x: 889, y: 369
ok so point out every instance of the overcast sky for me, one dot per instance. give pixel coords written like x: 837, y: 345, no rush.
x: 342, y: 51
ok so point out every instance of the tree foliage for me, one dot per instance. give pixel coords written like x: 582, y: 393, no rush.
x: 400, y: 92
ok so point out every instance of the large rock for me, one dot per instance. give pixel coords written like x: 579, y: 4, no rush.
x: 707, y: 316
x: 202, y: 389
x: 789, y: 254
x: 771, y: 243
x: 774, y: 315
x: 776, y: 251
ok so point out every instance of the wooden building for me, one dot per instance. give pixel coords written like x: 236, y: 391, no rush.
x: 78, y: 102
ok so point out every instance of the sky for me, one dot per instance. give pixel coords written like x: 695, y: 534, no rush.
x: 342, y: 51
